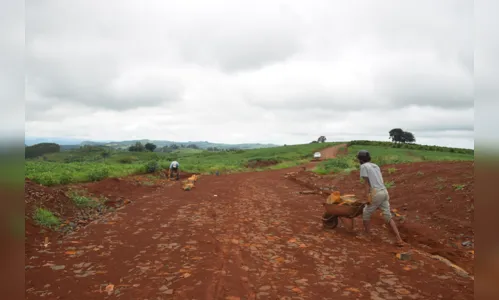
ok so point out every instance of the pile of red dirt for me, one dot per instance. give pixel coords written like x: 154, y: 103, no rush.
x: 435, y: 201
x: 117, y: 188
x: 118, y: 192
x: 261, y: 163
x: 312, y: 181
x: 52, y: 199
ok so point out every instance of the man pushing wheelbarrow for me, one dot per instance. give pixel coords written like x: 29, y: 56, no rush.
x: 377, y: 197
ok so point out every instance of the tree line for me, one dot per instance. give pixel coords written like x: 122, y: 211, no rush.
x: 41, y: 149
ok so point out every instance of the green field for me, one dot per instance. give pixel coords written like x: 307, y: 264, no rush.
x: 383, y: 155
x: 83, y: 166
x: 79, y: 166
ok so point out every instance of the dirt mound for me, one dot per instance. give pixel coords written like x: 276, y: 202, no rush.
x: 312, y: 181
x: 53, y: 199
x: 117, y: 188
x: 435, y: 201
x: 253, y: 164
x: 117, y: 192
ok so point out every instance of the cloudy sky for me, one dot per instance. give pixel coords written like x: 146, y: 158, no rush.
x: 250, y: 71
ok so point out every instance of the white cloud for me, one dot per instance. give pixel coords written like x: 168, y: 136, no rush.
x: 260, y: 71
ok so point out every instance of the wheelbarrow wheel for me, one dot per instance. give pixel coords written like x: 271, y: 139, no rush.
x: 329, y: 221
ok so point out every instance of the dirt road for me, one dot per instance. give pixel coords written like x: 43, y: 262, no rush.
x: 327, y: 153
x: 241, y: 236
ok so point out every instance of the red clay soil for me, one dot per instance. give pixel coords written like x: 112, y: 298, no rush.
x: 238, y: 236
x: 117, y: 191
x: 55, y: 200
x: 436, y: 201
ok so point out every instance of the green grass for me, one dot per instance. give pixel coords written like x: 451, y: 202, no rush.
x: 389, y: 184
x: 83, y: 201
x: 458, y: 187
x: 383, y: 155
x: 78, y: 166
x: 392, y: 170
x: 46, y: 218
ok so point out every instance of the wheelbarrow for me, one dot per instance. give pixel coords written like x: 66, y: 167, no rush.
x: 335, y: 211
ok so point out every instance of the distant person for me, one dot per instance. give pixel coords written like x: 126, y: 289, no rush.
x: 377, y: 194
x: 174, y: 168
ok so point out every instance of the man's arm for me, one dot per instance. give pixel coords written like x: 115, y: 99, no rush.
x: 367, y: 186
x: 367, y: 183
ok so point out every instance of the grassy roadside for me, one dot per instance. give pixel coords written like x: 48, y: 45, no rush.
x: 383, y: 155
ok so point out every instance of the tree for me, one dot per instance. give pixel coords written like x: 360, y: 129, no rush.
x: 150, y: 147
x: 321, y: 139
x: 397, y: 135
x: 138, y: 147
x: 408, y: 137
x: 105, y: 154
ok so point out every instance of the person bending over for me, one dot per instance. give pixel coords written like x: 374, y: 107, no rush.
x: 174, y: 169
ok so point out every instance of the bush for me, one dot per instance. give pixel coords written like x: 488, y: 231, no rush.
x: 106, y: 154
x: 46, y: 179
x: 98, y: 174
x: 152, y: 167
x: 128, y: 160
x: 66, y: 178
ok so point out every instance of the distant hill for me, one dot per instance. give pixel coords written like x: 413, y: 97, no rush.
x: 41, y: 149
x: 68, y: 144
x: 30, y: 141
x: 69, y: 147
x: 160, y: 144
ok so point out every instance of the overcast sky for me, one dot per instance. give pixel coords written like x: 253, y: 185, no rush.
x: 250, y: 71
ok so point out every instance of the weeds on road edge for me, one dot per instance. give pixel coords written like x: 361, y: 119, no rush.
x: 46, y: 218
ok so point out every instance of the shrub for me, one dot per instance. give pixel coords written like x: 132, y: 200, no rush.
x: 128, y: 160
x: 46, y: 179
x: 106, y: 154
x: 66, y: 178
x: 98, y: 174
x: 152, y: 166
